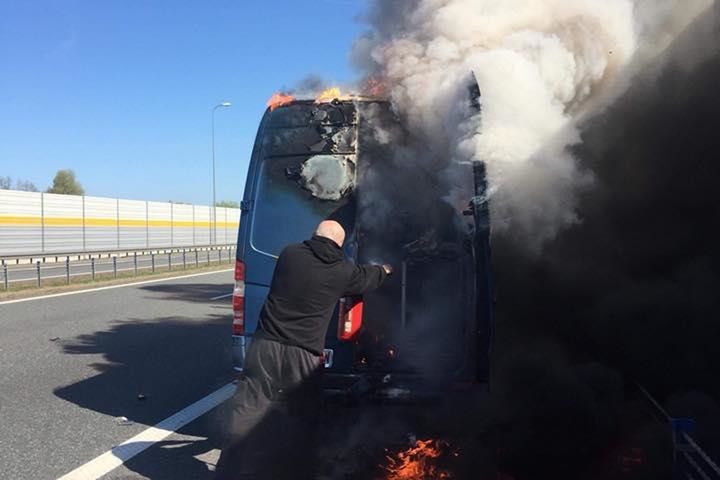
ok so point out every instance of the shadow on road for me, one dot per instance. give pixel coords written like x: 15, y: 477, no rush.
x: 150, y: 369
x: 191, y: 292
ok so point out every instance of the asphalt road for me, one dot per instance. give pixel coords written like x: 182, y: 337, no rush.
x: 71, y: 365
x: 28, y: 273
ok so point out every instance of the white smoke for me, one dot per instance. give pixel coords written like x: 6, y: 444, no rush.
x: 539, y: 64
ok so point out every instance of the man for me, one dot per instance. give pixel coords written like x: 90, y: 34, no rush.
x: 275, y: 402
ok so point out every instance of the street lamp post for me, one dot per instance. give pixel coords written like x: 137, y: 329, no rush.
x: 213, y: 236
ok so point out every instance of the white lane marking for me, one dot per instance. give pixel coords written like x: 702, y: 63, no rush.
x: 225, y: 295
x: 109, y: 287
x: 119, y: 454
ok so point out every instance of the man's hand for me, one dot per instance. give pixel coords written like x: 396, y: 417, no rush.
x: 388, y: 269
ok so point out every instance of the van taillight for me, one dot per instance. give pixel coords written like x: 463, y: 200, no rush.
x: 350, y: 312
x: 238, y: 326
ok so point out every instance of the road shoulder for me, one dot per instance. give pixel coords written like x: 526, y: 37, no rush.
x: 37, y: 293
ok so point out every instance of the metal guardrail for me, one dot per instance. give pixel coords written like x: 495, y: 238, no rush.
x: 109, y: 265
x: 50, y: 257
x: 690, y: 461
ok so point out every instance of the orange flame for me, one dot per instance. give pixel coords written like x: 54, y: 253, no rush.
x: 417, y: 463
x: 375, y: 87
x: 328, y: 95
x: 279, y: 99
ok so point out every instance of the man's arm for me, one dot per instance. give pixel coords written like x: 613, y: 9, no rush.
x: 365, y: 278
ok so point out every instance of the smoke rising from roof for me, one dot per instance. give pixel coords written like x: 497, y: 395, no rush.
x: 540, y: 65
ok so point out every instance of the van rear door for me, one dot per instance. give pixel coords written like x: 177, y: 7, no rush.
x: 422, y: 321
x: 286, y: 197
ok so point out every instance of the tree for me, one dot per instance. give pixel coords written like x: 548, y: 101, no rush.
x: 227, y: 204
x: 26, y: 186
x: 65, y: 183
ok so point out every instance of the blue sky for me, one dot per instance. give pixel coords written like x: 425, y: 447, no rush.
x: 121, y: 91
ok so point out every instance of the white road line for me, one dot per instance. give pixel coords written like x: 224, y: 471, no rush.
x: 109, y: 287
x: 225, y: 295
x: 119, y: 454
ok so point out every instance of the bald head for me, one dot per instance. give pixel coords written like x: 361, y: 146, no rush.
x: 332, y: 230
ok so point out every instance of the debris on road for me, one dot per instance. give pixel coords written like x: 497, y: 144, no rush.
x: 123, y: 421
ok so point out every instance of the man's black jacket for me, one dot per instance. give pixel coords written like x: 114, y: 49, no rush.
x: 308, y: 281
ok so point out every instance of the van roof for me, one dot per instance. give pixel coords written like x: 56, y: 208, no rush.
x: 342, y: 99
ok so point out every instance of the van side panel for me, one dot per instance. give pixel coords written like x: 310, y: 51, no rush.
x: 254, y: 297
x: 249, y: 193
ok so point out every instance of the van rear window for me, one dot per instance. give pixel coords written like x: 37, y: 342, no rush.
x: 284, y: 212
x: 307, y: 172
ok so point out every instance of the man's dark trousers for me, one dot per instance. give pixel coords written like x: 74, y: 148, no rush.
x: 274, y: 412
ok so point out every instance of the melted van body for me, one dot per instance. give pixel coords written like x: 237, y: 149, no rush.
x: 347, y: 160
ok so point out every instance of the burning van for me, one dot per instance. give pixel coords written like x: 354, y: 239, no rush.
x: 352, y: 160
